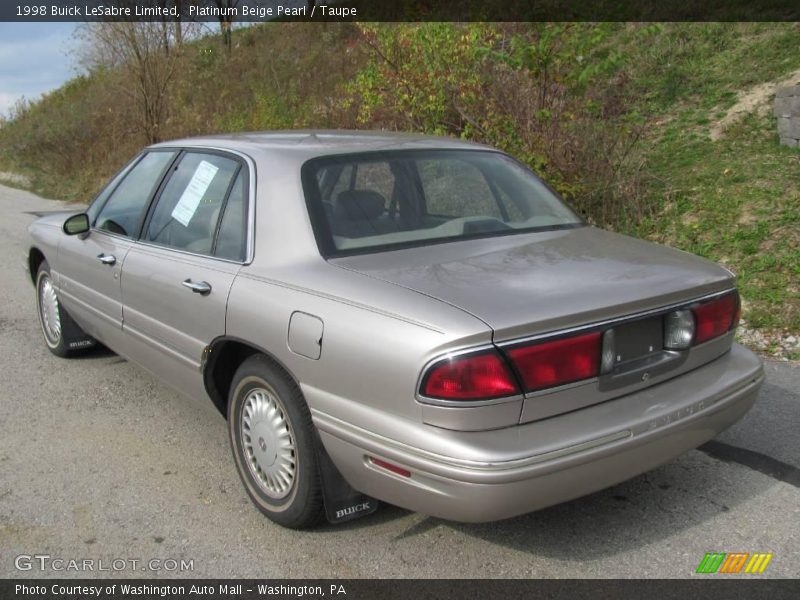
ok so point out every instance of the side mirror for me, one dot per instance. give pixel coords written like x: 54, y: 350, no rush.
x: 76, y: 224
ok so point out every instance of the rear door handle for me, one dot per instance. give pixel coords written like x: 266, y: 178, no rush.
x: 201, y: 287
x: 107, y: 259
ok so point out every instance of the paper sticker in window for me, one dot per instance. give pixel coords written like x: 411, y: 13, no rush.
x: 187, y: 205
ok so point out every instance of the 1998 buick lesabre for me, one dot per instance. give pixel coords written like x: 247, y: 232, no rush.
x: 412, y: 319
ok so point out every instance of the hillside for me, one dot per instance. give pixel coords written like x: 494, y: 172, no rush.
x: 276, y: 76
x: 728, y: 190
x: 661, y: 131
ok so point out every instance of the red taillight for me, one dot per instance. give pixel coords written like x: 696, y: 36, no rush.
x: 390, y: 467
x: 715, y: 317
x: 480, y: 376
x: 561, y: 361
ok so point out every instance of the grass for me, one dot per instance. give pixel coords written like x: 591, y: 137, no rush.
x: 735, y: 201
x: 703, y: 65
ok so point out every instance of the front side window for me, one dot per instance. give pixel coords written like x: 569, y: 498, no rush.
x: 379, y: 200
x: 193, y: 201
x: 123, y: 211
x: 102, y: 196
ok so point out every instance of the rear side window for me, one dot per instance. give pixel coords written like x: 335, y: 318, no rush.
x: 232, y: 238
x: 124, y: 210
x: 192, y: 203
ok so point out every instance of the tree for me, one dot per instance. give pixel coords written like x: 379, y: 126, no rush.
x: 536, y: 90
x: 226, y: 20
x: 147, y: 55
x: 178, y: 24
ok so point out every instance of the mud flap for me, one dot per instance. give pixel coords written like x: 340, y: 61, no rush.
x: 342, y: 502
x: 78, y: 339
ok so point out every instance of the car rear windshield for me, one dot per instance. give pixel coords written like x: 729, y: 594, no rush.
x: 377, y: 201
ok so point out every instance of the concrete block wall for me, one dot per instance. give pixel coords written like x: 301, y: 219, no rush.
x: 787, y: 111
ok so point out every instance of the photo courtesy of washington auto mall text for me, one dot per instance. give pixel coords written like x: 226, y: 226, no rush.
x: 134, y: 589
x: 399, y: 299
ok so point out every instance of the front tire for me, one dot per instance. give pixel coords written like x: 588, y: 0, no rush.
x: 273, y: 443
x: 62, y: 335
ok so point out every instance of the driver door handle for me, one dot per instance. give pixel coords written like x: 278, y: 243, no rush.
x: 201, y: 287
x: 107, y: 259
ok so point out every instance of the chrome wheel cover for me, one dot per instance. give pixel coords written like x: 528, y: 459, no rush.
x: 48, y: 311
x: 268, y: 443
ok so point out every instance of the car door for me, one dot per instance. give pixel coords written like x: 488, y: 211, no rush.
x: 176, y: 278
x: 90, y: 265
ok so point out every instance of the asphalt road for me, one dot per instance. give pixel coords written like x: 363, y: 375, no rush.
x: 100, y: 461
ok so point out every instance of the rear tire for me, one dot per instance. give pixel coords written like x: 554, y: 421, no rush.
x: 274, y: 445
x: 61, y: 333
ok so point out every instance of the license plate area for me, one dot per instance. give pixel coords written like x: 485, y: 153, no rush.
x: 637, y: 354
x: 637, y: 340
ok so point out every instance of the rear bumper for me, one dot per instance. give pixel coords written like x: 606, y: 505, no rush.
x: 512, y: 471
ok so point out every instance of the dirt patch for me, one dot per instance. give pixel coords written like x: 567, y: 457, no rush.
x: 754, y: 100
x: 690, y: 219
x: 14, y: 179
x: 746, y: 216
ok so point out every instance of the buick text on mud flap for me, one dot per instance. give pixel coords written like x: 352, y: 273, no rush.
x: 351, y: 510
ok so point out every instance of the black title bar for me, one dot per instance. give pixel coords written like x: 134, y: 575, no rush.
x: 398, y: 10
x: 705, y: 587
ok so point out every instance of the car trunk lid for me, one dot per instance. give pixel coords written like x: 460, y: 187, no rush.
x: 530, y: 284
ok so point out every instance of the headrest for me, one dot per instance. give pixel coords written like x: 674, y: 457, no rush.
x: 359, y: 205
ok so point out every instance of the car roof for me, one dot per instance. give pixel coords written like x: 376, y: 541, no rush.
x: 307, y: 144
